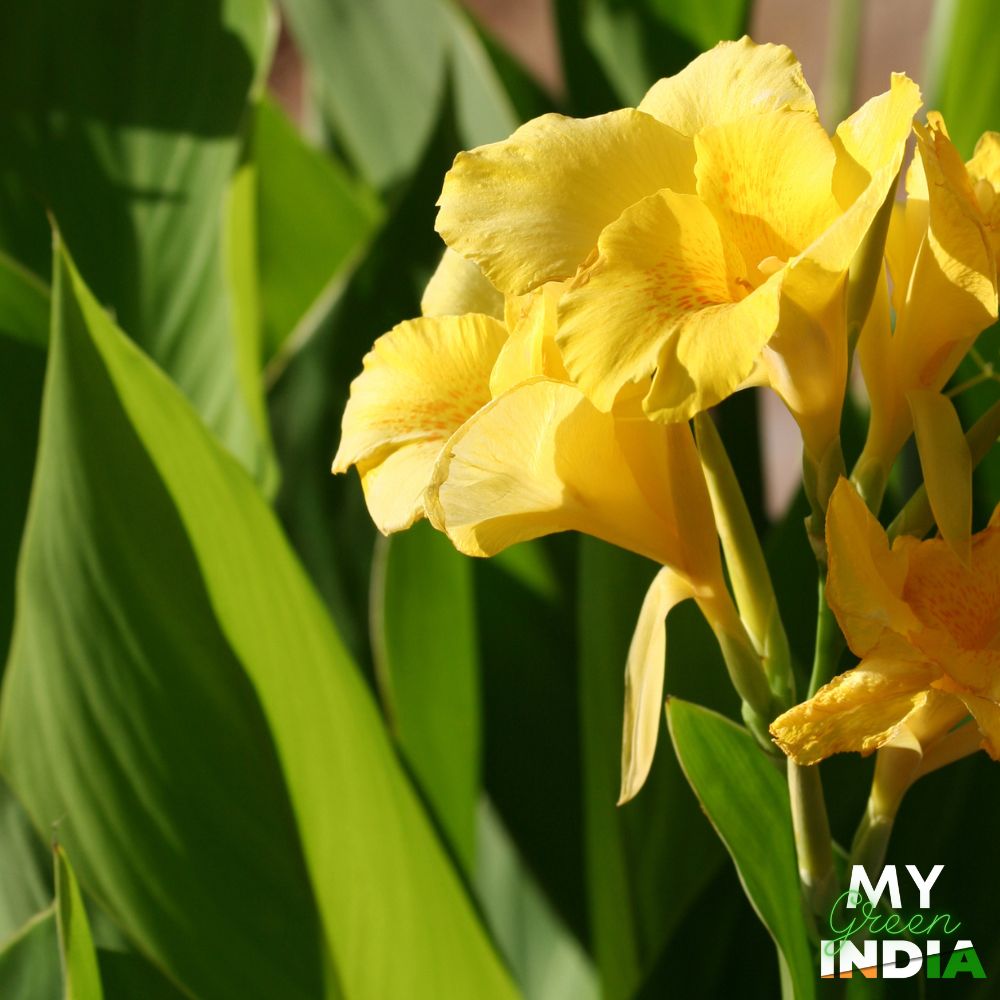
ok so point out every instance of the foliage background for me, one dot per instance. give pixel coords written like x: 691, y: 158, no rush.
x: 285, y: 757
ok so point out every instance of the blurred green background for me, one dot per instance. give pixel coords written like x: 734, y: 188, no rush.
x: 288, y: 758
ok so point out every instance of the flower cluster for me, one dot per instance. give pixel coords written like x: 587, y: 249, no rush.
x: 609, y: 279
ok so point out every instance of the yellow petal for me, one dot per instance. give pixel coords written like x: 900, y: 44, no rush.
x: 874, y: 137
x: 984, y: 172
x: 961, y: 601
x: 658, y: 296
x: 947, y: 467
x: 986, y: 712
x: 420, y: 382
x: 952, y: 292
x: 529, y: 209
x: 541, y: 459
x: 860, y: 710
x: 731, y: 81
x: 394, y: 484
x: 457, y: 287
x: 644, y: 670
x: 531, y: 349
x: 866, y: 578
x: 767, y: 179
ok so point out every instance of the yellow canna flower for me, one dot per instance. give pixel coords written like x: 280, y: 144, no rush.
x: 472, y: 420
x: 927, y: 630
x: 941, y: 252
x: 705, y: 235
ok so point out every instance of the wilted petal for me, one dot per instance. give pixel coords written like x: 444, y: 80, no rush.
x: 644, y: 679
x: 420, y: 382
x: 529, y: 209
x: 731, y: 81
x: 860, y: 710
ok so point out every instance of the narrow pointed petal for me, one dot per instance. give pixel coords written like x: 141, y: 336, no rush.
x: 529, y: 209
x: 420, y: 382
x: 947, y: 467
x: 861, y: 710
x: 457, y: 286
x: 658, y: 297
x: 542, y: 459
x: 644, y: 671
x: 733, y: 80
x: 866, y: 577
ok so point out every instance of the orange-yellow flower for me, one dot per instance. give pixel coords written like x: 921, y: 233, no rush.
x: 941, y: 252
x: 927, y: 630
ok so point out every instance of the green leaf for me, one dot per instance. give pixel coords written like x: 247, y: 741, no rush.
x: 123, y: 119
x: 313, y: 222
x: 25, y: 867
x: 744, y: 795
x: 29, y: 961
x: 379, y: 70
x: 76, y: 945
x: 483, y: 109
x: 963, y: 77
x: 638, y: 891
x: 191, y: 585
x: 424, y: 643
x: 119, y: 660
x: 125, y: 976
x: 637, y: 43
x: 546, y: 959
x: 24, y: 303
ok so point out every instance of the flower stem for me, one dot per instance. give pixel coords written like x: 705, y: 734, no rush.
x: 829, y: 642
x: 813, y: 843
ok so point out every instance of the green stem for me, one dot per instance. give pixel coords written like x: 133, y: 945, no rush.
x: 813, y: 843
x: 829, y: 642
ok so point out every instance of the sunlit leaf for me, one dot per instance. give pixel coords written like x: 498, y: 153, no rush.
x: 744, y: 795
x: 124, y: 120
x: 193, y: 617
x: 82, y: 979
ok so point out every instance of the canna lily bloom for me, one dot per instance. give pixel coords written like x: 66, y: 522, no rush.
x: 941, y: 251
x: 927, y: 630
x: 705, y: 236
x: 473, y: 421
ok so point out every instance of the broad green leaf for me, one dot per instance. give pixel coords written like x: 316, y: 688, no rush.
x: 81, y: 977
x: 484, y: 111
x: 123, y: 119
x: 744, y: 795
x: 546, y: 959
x: 638, y: 891
x: 529, y: 682
x: 186, y: 538
x: 424, y: 643
x: 29, y: 961
x: 378, y: 68
x: 637, y: 43
x: 120, y: 662
x: 963, y: 75
x: 125, y: 976
x: 313, y: 222
x: 25, y: 867
x: 24, y: 303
